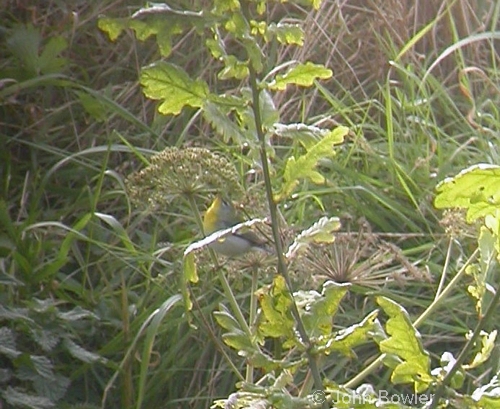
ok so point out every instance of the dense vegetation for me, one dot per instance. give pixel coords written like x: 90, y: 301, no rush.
x: 336, y: 122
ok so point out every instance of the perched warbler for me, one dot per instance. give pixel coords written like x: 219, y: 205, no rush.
x: 222, y: 215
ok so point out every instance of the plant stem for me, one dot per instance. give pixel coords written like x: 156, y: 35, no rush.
x: 282, y: 267
x: 253, y: 314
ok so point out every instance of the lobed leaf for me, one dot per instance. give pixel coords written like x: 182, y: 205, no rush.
x: 318, y: 310
x: 276, y: 319
x: 405, y: 343
x: 346, y: 339
x: 173, y: 86
x: 304, y: 167
x: 302, y: 75
x: 319, y: 232
x: 476, y: 189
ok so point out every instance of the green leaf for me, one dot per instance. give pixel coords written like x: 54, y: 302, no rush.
x: 24, y: 44
x: 17, y: 397
x: 302, y: 75
x: 42, y: 366
x: 53, y: 389
x: 154, y: 329
x: 224, y: 7
x: 320, y: 232
x: 233, y: 68
x: 239, y: 341
x: 170, y: 84
x: 492, y: 222
x: 226, y: 320
x: 254, y: 53
x: 8, y: 343
x: 76, y: 314
x: 304, y: 166
x: 159, y: 27
x: 484, y: 273
x: 113, y: 27
x: 237, y: 25
x: 405, y: 343
x: 346, y: 339
x: 307, y: 135
x: 218, y: 116
x: 269, y: 113
x: 476, y: 189
x: 487, y: 346
x: 157, y: 20
x: 93, y: 106
x: 276, y: 318
x: 81, y: 353
x: 216, y: 47
x: 190, y: 272
x: 47, y: 339
x: 318, y: 310
x: 50, y: 62
x: 287, y: 33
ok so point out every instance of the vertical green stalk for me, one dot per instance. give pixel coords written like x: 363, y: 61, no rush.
x: 252, y: 315
x: 282, y: 267
x: 127, y: 368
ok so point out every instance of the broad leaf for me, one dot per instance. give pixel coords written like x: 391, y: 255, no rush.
x: 81, y: 353
x: 218, y: 116
x: 476, y: 189
x: 304, y: 167
x: 276, y: 319
x: 307, y: 135
x: 173, y: 86
x: 320, y: 232
x: 346, y: 339
x: 405, y: 342
x: 157, y: 20
x: 318, y: 310
x: 287, y: 33
x: 18, y: 398
x: 233, y: 68
x: 302, y: 74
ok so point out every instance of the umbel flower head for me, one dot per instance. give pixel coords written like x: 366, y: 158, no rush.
x: 363, y: 259
x: 176, y: 172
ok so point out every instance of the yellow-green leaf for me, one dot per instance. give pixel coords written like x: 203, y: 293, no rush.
x: 233, y: 68
x: 348, y: 338
x: 318, y: 310
x: 405, y: 342
x: 302, y: 74
x: 320, y: 232
x: 113, y: 27
x: 487, y: 345
x: 171, y: 85
x: 304, y: 166
x: 276, y: 318
x: 476, y: 189
x: 287, y: 33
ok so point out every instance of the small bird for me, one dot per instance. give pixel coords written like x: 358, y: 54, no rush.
x: 222, y: 215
